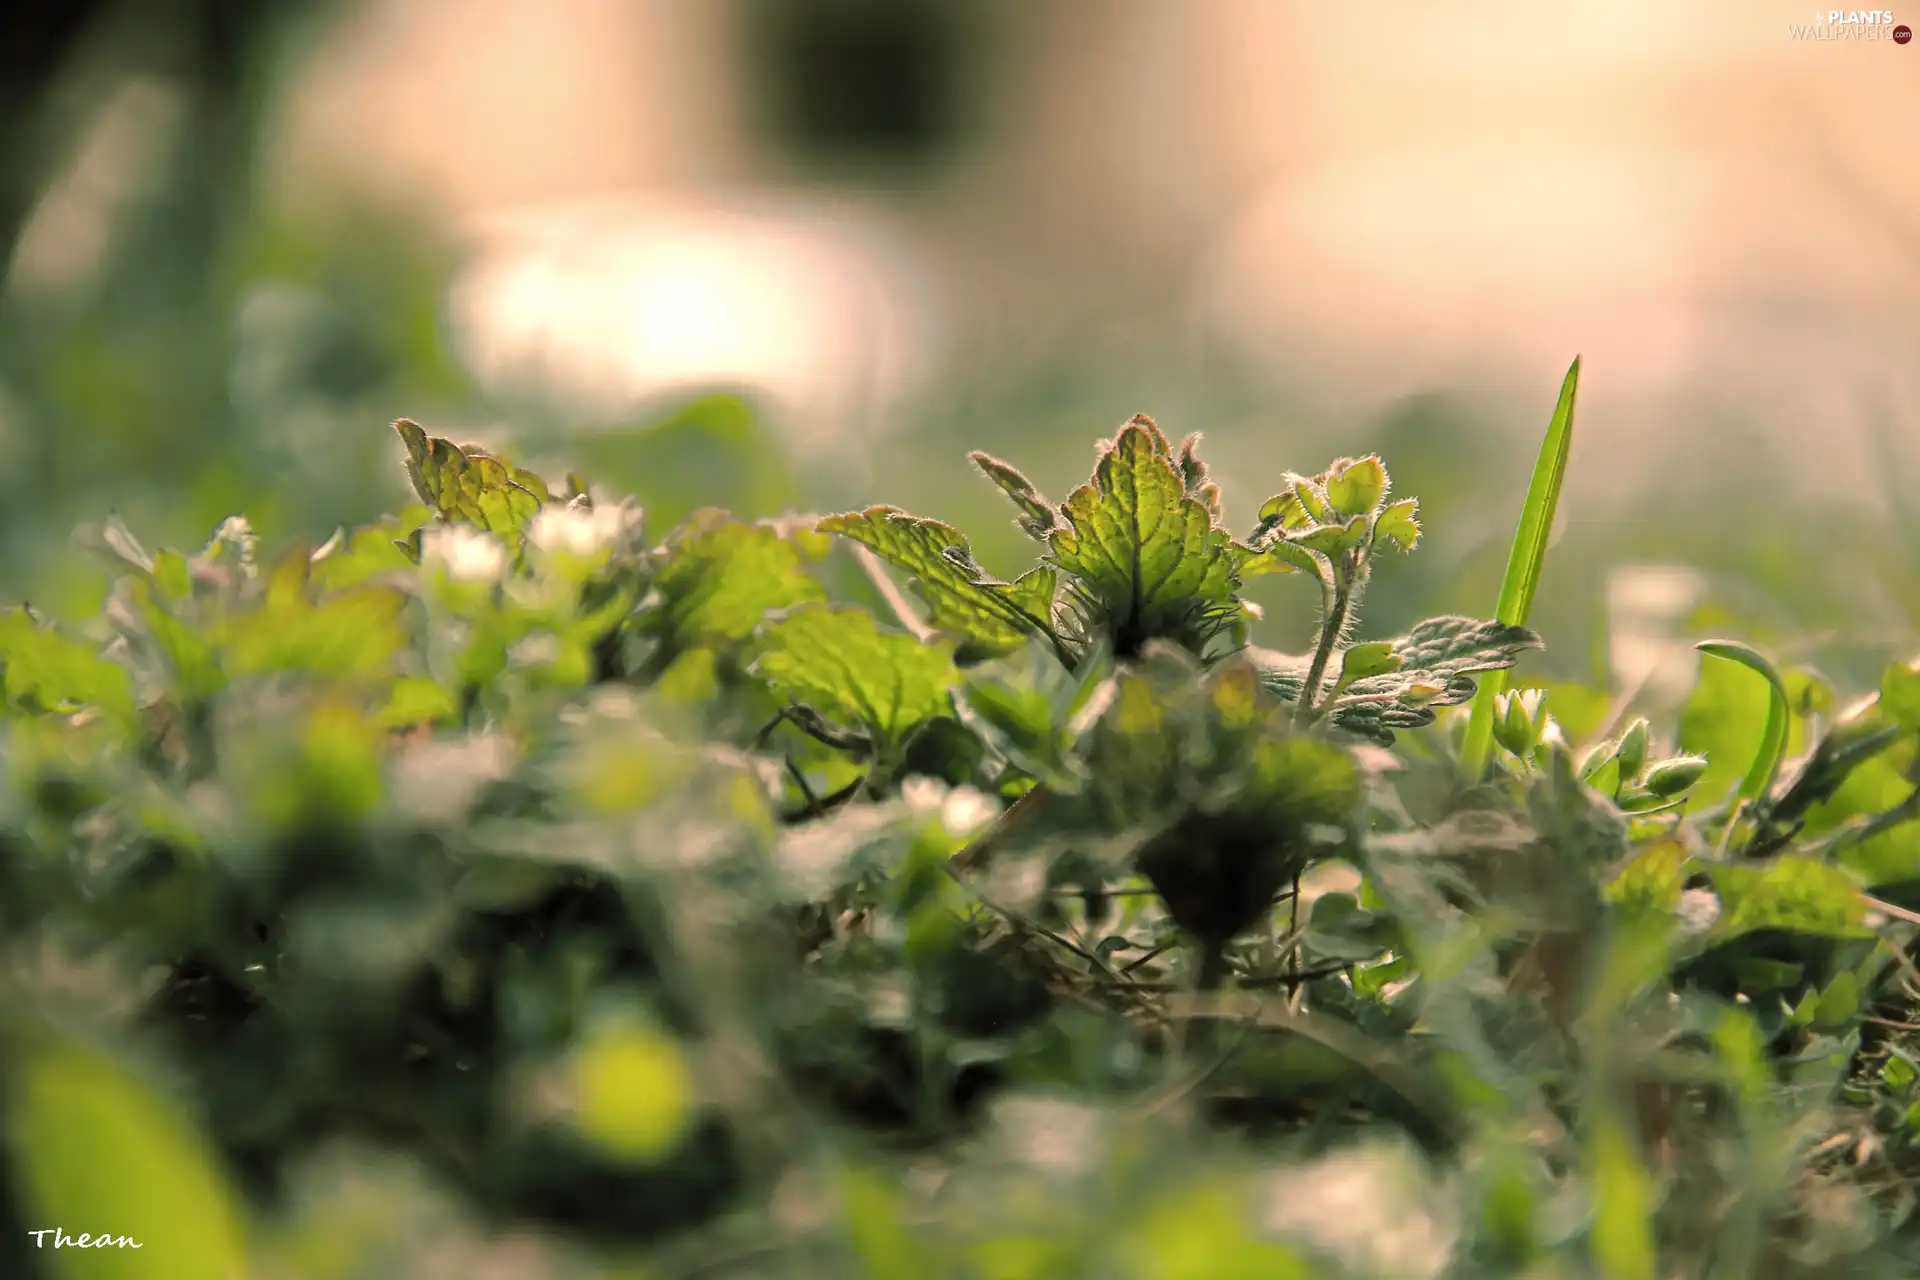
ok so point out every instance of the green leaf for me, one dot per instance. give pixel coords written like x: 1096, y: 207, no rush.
x: 1199, y: 1234
x: 1622, y: 1233
x: 1839, y: 1003
x: 1339, y: 929
x: 1285, y: 511
x: 1771, y: 742
x: 44, y: 670
x: 1356, y: 488
x: 1036, y: 515
x: 1313, y: 500
x: 1332, y: 539
x: 1276, y: 555
x: 1900, y: 693
x: 353, y: 634
x: 720, y: 578
x: 1791, y: 892
x: 1023, y: 705
x: 417, y: 700
x: 1874, y: 786
x: 171, y: 574
x: 96, y: 1150
x: 1147, y: 560
x: 1524, y: 561
x: 1373, y: 658
x: 1653, y: 880
x: 989, y: 617
x: 470, y: 484
x: 886, y: 1248
x: 1193, y: 474
x: 836, y: 660
x: 1437, y: 660
x: 1397, y: 524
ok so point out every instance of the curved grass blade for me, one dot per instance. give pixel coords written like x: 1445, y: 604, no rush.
x: 1524, y: 562
x: 1773, y: 739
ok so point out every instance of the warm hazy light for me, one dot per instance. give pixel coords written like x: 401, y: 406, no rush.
x: 616, y: 304
x: 1356, y: 201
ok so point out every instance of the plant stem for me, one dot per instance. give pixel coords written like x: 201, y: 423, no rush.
x: 1331, y: 627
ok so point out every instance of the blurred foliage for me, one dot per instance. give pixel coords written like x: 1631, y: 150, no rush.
x: 518, y: 884
x: 512, y: 885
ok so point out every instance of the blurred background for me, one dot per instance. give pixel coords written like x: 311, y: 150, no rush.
x: 805, y: 253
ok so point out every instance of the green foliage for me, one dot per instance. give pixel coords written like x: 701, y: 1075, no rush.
x: 616, y: 894
x: 1529, y: 553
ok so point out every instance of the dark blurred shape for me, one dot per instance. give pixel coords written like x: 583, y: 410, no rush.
x: 859, y: 81
x: 200, y: 45
x: 35, y: 41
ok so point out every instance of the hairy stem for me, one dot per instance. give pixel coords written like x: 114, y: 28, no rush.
x: 1332, y: 626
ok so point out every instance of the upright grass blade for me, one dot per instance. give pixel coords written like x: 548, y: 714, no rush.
x: 1773, y: 740
x: 1523, y: 564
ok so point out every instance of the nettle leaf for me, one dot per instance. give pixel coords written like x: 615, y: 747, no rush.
x: 1025, y: 705
x: 1793, y: 893
x: 1356, y: 487
x: 1284, y: 511
x: 1364, y: 661
x: 1147, y: 560
x: 721, y: 577
x: 1276, y: 555
x: 1900, y: 693
x: 836, y: 661
x: 988, y: 617
x: 351, y: 557
x: 1037, y: 518
x: 469, y: 483
x: 1193, y: 474
x: 1435, y: 664
x: 1396, y: 524
x: 353, y: 634
x: 44, y: 670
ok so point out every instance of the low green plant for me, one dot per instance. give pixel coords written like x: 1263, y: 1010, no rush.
x: 510, y: 884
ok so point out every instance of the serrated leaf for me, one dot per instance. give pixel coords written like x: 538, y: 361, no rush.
x: 1396, y: 524
x: 836, y: 660
x: 1148, y: 561
x: 1036, y: 515
x: 1436, y: 662
x: 1285, y: 510
x: 719, y: 578
x: 470, y: 484
x: 988, y: 616
x: 1313, y: 500
x: 1274, y: 555
x: 1330, y: 539
x: 1193, y: 474
x: 1455, y: 646
x: 1356, y: 488
x: 1377, y: 722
